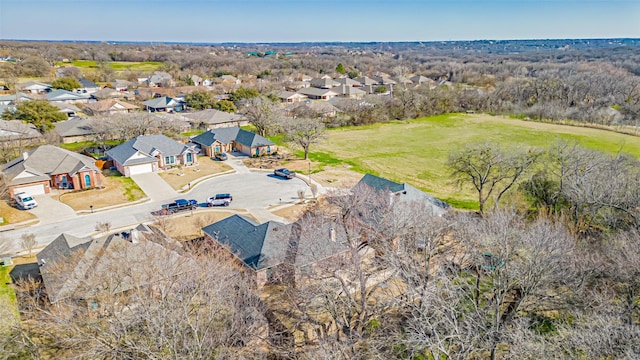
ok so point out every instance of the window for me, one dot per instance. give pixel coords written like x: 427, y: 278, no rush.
x: 169, y: 160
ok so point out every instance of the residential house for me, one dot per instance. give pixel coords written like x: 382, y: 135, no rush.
x: 275, y: 253
x: 69, y: 109
x: 14, y: 99
x: 366, y: 81
x: 47, y: 167
x: 233, y: 139
x: 296, y: 85
x: 403, y: 194
x: 75, y: 129
x: 34, y: 87
x: 383, y: 80
x: 122, y: 85
x: 212, y: 118
x: 290, y: 97
x: 419, y: 79
x: 312, y: 109
x: 164, y: 103
x: 73, y: 268
x: 318, y: 94
x: 401, y: 80
x: 87, y: 87
x: 196, y: 80
x: 109, y: 93
x: 347, y: 81
x: 110, y: 107
x: 17, y: 133
x: 229, y: 79
x: 324, y: 83
x: 149, y: 153
x: 160, y: 79
x: 349, y: 92
x: 68, y: 97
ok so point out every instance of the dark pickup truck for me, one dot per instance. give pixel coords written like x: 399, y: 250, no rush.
x: 177, y: 206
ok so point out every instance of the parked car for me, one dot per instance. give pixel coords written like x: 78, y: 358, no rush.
x: 219, y: 200
x: 25, y: 201
x: 221, y: 156
x: 177, y: 206
x: 284, y: 173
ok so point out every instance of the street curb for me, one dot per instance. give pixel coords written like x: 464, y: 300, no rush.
x: 186, y: 189
x: 117, y: 206
x: 19, y: 225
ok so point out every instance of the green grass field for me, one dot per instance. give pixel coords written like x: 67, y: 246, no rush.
x: 416, y: 151
x: 116, y: 65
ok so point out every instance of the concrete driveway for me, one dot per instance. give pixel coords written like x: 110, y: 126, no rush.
x: 50, y: 210
x: 154, y: 186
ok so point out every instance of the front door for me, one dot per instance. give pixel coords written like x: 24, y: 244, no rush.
x: 257, y: 151
x: 87, y: 180
x: 189, y: 158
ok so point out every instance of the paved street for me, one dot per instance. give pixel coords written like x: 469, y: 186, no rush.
x: 250, y: 190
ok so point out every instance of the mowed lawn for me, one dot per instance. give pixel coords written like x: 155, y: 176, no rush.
x: 116, y: 65
x: 416, y: 151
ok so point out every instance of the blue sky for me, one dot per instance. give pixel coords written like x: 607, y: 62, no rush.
x: 306, y: 20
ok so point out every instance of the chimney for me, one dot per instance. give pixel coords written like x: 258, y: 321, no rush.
x: 332, y: 233
x: 134, y: 236
x: 25, y: 155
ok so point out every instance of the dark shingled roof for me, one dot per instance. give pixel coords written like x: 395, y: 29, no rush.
x: 257, y: 246
x: 230, y: 134
x: 379, y: 183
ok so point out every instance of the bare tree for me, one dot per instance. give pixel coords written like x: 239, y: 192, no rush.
x: 263, y: 114
x: 304, y: 133
x: 28, y: 241
x: 491, y: 170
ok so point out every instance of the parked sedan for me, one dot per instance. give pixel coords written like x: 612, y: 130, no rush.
x: 284, y: 173
x: 221, y: 156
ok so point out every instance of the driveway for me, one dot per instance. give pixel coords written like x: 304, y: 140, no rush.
x: 154, y: 186
x: 50, y: 210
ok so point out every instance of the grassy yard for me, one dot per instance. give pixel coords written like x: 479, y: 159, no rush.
x: 416, y: 151
x: 192, y: 173
x: 116, y: 190
x: 11, y: 215
x: 116, y: 65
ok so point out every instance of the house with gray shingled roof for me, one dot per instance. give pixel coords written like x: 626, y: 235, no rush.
x: 75, y: 129
x: 213, y: 118
x: 149, y: 153
x: 402, y: 195
x: 47, y: 167
x: 16, y: 133
x: 317, y: 94
x: 279, y: 253
x: 60, y: 95
x: 163, y: 103
x: 74, y: 268
x: 233, y: 139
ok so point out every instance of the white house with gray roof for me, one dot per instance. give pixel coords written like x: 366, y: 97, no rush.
x: 150, y: 153
x: 215, y: 141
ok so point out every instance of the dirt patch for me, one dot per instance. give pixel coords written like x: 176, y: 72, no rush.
x: 11, y: 215
x: 192, y: 173
x: 189, y: 226
x: 291, y: 213
x: 340, y: 176
x: 116, y: 190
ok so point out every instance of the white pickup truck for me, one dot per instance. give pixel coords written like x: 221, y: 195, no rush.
x: 25, y: 201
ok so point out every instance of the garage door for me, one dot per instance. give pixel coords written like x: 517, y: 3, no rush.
x: 31, y: 189
x: 140, y: 169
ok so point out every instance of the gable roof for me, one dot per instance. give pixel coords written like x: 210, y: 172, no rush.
x: 213, y: 116
x: 33, y: 85
x: 62, y: 95
x: 43, y: 162
x: 324, y: 83
x: 161, y: 103
x: 230, y: 134
x: 316, y: 92
x: 260, y: 246
x: 68, y: 261
x: 348, y: 90
x: 14, y: 130
x: 366, y: 81
x: 408, y: 193
x: 347, y: 81
x: 109, y: 105
x: 84, y: 83
x: 75, y: 126
x: 148, y: 146
x: 257, y: 246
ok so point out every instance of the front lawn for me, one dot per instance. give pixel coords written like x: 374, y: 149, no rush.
x: 190, y: 174
x: 116, y: 190
x: 11, y: 215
